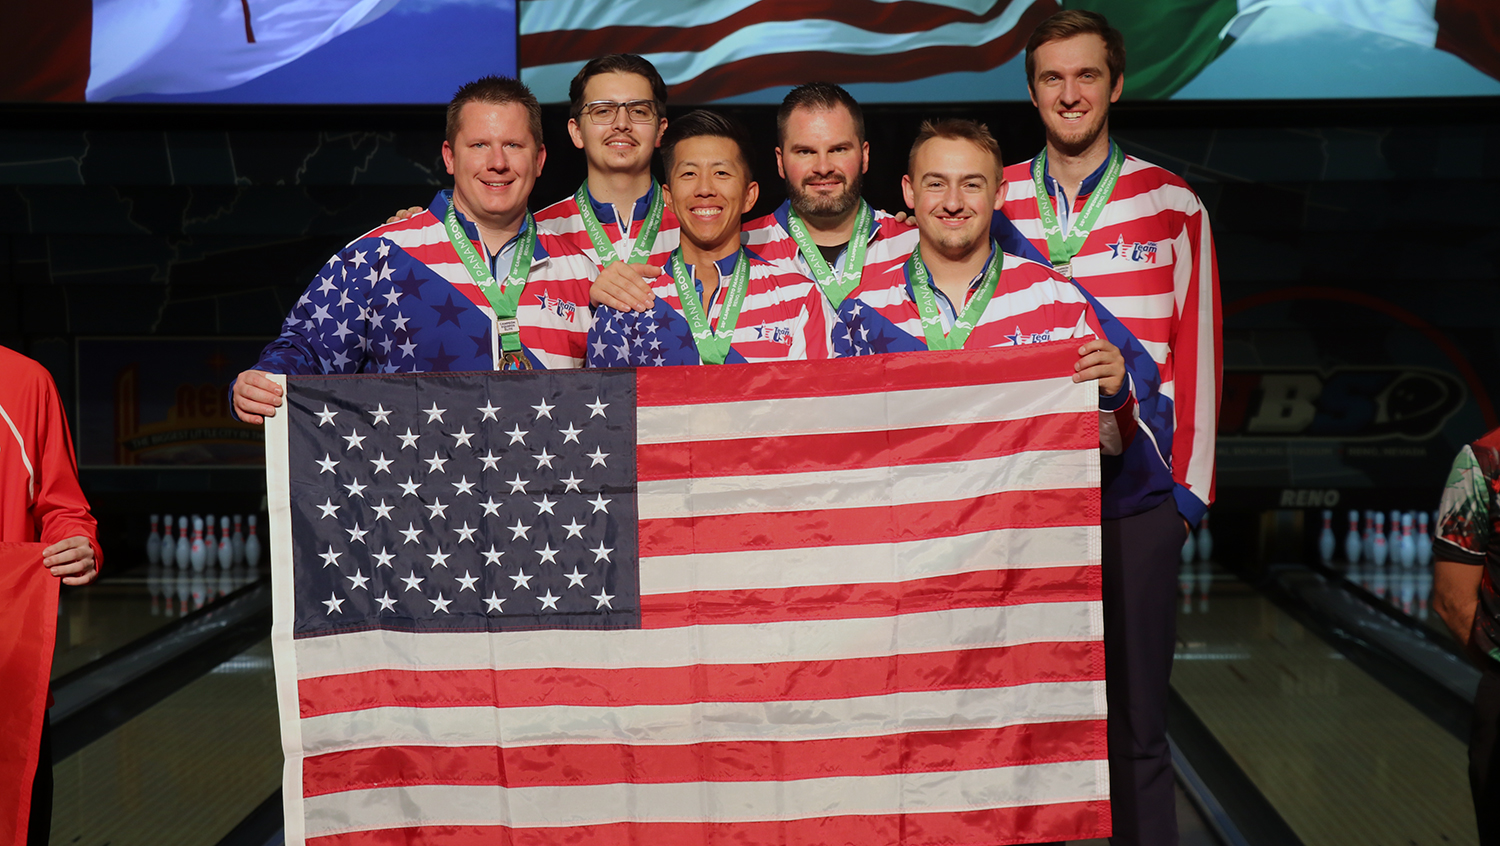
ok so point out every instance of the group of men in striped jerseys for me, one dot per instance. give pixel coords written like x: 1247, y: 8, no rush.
x: 1094, y: 246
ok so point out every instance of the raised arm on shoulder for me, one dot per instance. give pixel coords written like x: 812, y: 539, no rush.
x: 624, y: 287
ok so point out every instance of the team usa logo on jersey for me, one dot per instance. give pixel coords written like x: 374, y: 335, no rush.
x: 562, y: 307
x: 775, y: 334
x: 1019, y: 337
x: 1137, y: 251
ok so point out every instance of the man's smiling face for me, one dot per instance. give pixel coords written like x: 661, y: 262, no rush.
x: 710, y: 189
x: 622, y: 145
x: 494, y: 160
x: 1072, y: 90
x: 954, y: 188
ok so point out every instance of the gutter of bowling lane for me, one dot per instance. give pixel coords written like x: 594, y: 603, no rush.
x: 98, y: 698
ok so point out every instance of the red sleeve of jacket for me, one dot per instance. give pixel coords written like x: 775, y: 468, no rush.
x: 42, y: 498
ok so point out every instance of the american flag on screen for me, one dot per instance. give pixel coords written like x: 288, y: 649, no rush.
x: 852, y: 601
x: 709, y: 51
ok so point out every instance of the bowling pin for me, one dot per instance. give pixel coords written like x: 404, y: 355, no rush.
x: 252, y: 545
x: 1408, y: 543
x: 198, y: 552
x: 1378, y: 547
x: 1369, y: 534
x: 181, y: 587
x: 1424, y: 592
x: 1325, y: 538
x: 209, y: 539
x: 1189, y: 548
x: 238, y: 542
x: 1353, y: 544
x: 1423, y: 541
x: 153, y: 543
x: 226, y: 550
x: 1393, y: 540
x: 199, y: 588
x: 1205, y: 541
x: 184, y: 547
x: 1408, y: 592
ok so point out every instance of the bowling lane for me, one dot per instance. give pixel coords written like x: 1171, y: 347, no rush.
x: 1339, y: 756
x: 186, y: 771
x: 126, y: 605
x: 1396, y: 574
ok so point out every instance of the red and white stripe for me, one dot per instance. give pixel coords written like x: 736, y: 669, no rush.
x: 890, y: 240
x: 1031, y: 300
x: 777, y: 297
x: 563, y: 219
x: 1171, y: 303
x: 870, y: 614
x: 710, y: 51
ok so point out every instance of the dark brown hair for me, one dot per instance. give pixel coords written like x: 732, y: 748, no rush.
x: 1073, y: 22
x: 818, y: 96
x: 617, y: 63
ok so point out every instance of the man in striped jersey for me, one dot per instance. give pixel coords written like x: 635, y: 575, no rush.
x: 617, y: 117
x: 716, y: 301
x: 957, y: 289
x: 825, y: 228
x: 418, y: 295
x: 1137, y: 238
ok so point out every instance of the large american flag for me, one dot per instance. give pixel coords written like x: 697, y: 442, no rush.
x: 853, y: 601
x: 709, y: 51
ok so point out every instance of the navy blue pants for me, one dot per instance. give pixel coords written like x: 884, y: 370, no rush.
x: 1141, y: 555
x: 1140, y: 558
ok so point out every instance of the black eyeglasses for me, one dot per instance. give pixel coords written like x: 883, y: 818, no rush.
x: 604, y: 111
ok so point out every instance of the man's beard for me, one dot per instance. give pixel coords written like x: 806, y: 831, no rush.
x: 1079, y: 144
x: 810, y: 204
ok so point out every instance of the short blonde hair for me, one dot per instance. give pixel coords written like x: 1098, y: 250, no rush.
x: 962, y: 129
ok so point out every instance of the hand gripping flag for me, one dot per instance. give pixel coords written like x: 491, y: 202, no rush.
x: 852, y: 601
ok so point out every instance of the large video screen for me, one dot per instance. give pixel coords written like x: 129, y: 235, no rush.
x: 744, y: 51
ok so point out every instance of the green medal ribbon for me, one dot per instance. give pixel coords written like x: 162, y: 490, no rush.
x: 504, y: 298
x: 927, y: 306
x: 1059, y: 249
x: 713, y: 345
x: 640, y: 252
x: 835, y: 288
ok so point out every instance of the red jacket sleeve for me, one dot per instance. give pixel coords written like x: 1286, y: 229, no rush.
x: 43, y: 500
x: 60, y: 509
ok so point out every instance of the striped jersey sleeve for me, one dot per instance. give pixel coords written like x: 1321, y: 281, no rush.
x: 398, y: 300
x: 1150, y: 260
x: 563, y: 219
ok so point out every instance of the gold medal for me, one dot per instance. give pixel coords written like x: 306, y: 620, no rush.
x: 516, y: 361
